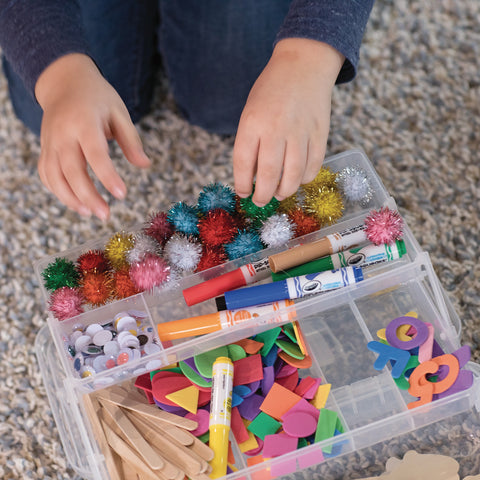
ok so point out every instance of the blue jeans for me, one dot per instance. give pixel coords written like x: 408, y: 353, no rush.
x: 211, y: 50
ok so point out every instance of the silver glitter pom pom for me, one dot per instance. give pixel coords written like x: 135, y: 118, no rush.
x: 355, y: 186
x: 276, y: 230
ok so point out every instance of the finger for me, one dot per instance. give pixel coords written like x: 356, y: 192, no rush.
x: 315, y: 157
x: 74, y: 168
x: 126, y: 135
x: 245, y: 153
x: 52, y: 176
x: 271, y: 156
x: 293, y: 168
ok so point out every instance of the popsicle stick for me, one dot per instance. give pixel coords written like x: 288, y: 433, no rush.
x: 92, y: 408
x: 129, y: 471
x: 201, y: 449
x: 147, y: 409
x: 129, y: 455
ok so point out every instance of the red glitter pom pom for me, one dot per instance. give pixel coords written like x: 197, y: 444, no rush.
x: 304, y: 223
x: 66, y: 302
x: 123, y: 285
x: 96, y: 288
x: 383, y: 226
x: 92, y: 261
x: 211, y: 257
x: 217, y: 228
x: 150, y: 272
x: 159, y: 228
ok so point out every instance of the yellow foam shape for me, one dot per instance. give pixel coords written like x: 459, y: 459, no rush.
x: 381, y: 334
x: 321, y: 395
x: 300, y: 339
x: 249, y: 444
x: 186, y: 398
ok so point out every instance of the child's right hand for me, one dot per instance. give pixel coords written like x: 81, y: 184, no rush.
x: 81, y: 112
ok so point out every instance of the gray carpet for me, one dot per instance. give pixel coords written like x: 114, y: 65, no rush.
x: 415, y: 110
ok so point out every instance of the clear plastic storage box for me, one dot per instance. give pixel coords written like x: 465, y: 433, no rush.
x: 337, y: 327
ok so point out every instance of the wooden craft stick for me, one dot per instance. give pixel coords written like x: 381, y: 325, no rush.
x: 129, y: 455
x: 133, y: 436
x: 201, y: 448
x: 147, y: 409
x: 129, y: 471
x: 92, y: 408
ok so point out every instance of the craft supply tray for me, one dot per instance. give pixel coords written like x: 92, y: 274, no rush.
x: 337, y: 326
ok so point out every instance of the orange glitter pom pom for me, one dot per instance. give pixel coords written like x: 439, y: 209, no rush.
x: 96, y: 288
x: 123, y: 286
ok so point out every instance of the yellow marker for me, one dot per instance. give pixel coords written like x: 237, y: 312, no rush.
x: 220, y: 414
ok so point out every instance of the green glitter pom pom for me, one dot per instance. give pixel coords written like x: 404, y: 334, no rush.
x: 258, y: 214
x: 60, y: 273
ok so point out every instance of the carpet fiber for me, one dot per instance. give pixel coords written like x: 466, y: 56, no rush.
x: 415, y: 110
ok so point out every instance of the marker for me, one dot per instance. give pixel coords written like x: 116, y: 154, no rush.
x: 220, y: 414
x: 212, y: 322
x: 245, y: 275
x: 368, y: 255
x: 295, y: 287
x: 333, y: 243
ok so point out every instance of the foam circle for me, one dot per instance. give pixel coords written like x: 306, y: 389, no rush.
x: 299, y: 424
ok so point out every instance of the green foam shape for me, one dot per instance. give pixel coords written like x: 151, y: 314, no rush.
x: 268, y: 339
x: 401, y: 381
x: 173, y: 369
x: 302, y: 442
x: 205, y: 437
x: 263, y: 425
x: 204, y: 361
x: 291, y: 348
x: 290, y: 332
x: 327, y: 422
x: 236, y: 352
x: 193, y: 376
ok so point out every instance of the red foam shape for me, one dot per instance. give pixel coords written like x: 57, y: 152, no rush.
x: 247, y: 370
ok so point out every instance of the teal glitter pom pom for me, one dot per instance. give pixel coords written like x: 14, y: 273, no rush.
x: 216, y: 195
x: 60, y: 273
x: 243, y: 244
x: 184, y: 218
x: 257, y: 215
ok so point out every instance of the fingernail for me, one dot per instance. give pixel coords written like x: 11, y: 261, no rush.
x: 84, y: 211
x: 259, y: 204
x: 119, y: 193
x: 102, y: 214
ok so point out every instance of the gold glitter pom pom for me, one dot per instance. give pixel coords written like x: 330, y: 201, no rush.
x: 288, y: 204
x: 117, y: 248
x: 325, y: 179
x: 325, y: 205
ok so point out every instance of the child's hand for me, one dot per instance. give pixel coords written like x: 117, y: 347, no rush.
x: 283, y: 130
x: 81, y: 112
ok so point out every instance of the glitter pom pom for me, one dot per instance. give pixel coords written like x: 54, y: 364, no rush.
x: 325, y: 179
x: 303, y: 222
x: 288, y: 204
x: 325, y: 205
x: 216, y: 196
x: 276, y: 230
x: 183, y: 252
x: 355, y: 186
x: 159, y: 228
x: 65, y: 303
x: 123, y: 286
x: 256, y: 214
x: 243, y: 244
x: 383, y: 226
x: 92, y: 261
x: 184, y: 218
x: 211, y: 257
x: 60, y: 273
x: 151, y: 272
x: 142, y: 244
x: 117, y: 248
x: 217, y: 228
x: 96, y: 288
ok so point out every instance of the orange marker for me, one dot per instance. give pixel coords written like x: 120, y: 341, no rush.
x: 212, y: 322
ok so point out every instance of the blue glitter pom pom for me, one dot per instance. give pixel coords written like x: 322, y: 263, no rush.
x: 216, y: 195
x: 243, y: 244
x: 184, y: 218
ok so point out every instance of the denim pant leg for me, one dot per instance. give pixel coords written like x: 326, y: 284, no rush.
x: 213, y: 51
x: 122, y: 40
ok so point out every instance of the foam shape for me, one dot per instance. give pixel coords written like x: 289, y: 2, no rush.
x: 263, y: 425
x: 386, y: 353
x: 402, y: 380
x: 304, y: 385
x: 202, y: 417
x: 250, y: 407
x: 192, y: 374
x: 249, y: 444
x: 299, y: 424
x: 253, y: 387
x: 289, y: 382
x: 327, y: 421
x: 321, y: 395
x: 309, y: 458
x: 291, y: 348
x: 278, y: 401
x: 186, y: 398
x: 425, y: 350
x: 165, y: 382
x: 463, y: 355
x: 230, y: 456
x: 285, y: 371
x: 268, y: 338
x: 304, y: 363
x: 412, y: 342
x: 249, y: 345
x: 270, y: 358
x: 237, y: 426
x: 300, y: 338
x: 268, y: 379
x: 463, y: 382
x: 236, y: 352
x: 241, y: 390
x: 255, y: 451
x: 288, y: 330
x: 303, y: 406
x: 247, y: 370
x: 236, y: 399
x: 204, y: 361
x: 278, y: 444
x: 310, y: 393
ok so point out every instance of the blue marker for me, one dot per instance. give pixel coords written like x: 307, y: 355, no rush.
x: 294, y: 287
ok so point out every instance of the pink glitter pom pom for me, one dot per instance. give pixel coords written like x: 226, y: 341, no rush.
x: 66, y: 302
x: 383, y: 226
x: 150, y: 272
